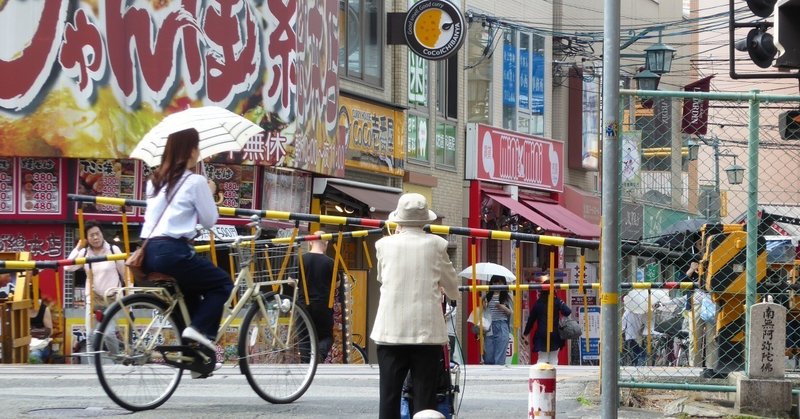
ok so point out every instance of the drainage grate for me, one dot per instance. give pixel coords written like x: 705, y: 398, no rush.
x: 77, y: 412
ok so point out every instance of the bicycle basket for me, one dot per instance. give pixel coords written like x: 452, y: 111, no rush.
x: 265, y: 261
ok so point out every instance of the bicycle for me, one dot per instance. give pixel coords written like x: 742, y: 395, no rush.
x: 140, y: 357
x: 357, y: 353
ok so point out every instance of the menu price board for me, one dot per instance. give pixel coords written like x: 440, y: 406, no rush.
x: 235, y: 184
x: 41, y: 181
x: 111, y: 178
x: 7, y: 192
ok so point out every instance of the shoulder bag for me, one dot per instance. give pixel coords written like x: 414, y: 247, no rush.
x: 135, y: 261
x: 568, y: 327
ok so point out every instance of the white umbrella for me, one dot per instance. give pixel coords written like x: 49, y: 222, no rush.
x: 485, y: 271
x: 636, y: 300
x: 220, y: 131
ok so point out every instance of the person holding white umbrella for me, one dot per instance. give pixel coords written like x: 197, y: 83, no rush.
x: 500, y: 309
x: 177, y: 200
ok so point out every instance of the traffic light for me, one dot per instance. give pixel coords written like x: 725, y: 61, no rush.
x: 761, y: 8
x: 760, y: 46
x: 759, y: 43
x: 787, y: 33
x: 789, y: 125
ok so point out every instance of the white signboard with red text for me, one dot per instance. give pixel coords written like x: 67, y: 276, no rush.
x: 502, y: 156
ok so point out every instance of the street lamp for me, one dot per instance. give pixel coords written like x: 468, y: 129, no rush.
x: 647, y: 80
x: 658, y: 57
x: 735, y: 173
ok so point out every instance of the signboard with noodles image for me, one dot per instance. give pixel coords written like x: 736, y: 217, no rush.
x: 91, y: 77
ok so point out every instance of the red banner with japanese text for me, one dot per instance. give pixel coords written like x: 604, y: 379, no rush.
x: 91, y: 78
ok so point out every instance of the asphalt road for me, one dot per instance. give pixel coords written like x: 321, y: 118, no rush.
x: 338, y: 391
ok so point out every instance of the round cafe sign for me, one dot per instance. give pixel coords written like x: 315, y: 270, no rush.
x: 434, y: 29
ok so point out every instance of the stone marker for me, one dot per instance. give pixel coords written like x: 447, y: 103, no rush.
x: 767, y: 351
x: 763, y: 390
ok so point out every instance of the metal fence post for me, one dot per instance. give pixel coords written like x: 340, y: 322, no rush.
x: 752, y: 218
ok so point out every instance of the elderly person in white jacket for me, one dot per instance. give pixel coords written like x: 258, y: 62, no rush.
x: 413, y: 269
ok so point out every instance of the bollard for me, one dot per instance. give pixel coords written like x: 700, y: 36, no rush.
x: 542, y: 391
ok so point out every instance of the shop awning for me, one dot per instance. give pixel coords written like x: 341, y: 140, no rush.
x: 527, y: 213
x: 566, y: 218
x: 377, y: 201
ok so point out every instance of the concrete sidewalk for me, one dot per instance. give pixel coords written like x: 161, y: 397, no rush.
x: 339, y: 391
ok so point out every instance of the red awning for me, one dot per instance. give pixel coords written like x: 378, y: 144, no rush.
x: 566, y: 218
x: 527, y: 213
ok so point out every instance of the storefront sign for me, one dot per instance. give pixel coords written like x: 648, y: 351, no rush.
x: 286, y: 190
x: 111, y: 178
x: 373, y: 136
x: 590, y: 135
x: 235, y: 184
x: 8, y: 191
x: 43, y: 241
x: 41, y: 186
x: 631, y: 225
x: 434, y: 29
x: 507, y: 157
x: 91, y: 78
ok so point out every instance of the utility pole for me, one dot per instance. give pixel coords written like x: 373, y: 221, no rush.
x: 717, y: 192
x: 610, y: 249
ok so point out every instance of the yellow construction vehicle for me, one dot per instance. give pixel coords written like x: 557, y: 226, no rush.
x: 722, y: 273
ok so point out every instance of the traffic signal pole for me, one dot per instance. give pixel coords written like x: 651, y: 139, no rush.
x: 609, y: 240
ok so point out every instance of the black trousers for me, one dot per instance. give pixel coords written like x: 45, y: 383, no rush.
x: 322, y: 316
x: 394, y: 361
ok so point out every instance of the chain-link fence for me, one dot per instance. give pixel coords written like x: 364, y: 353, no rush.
x: 700, y: 168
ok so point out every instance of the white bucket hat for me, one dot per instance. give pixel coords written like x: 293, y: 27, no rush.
x: 412, y: 209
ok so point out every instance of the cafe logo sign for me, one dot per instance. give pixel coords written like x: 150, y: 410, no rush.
x: 434, y: 29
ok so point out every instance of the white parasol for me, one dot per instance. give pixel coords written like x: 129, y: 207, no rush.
x: 485, y: 271
x: 220, y: 131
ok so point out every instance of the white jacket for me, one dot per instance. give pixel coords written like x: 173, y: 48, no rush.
x: 412, y: 266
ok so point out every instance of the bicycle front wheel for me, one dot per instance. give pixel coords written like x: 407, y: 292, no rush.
x: 132, y: 373
x: 278, y: 349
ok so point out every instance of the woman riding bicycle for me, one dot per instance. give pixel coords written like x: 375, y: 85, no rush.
x: 177, y: 200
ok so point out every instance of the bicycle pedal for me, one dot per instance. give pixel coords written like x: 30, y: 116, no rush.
x: 193, y: 358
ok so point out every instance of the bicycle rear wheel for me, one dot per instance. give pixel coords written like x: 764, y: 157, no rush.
x: 357, y: 355
x: 135, y: 376
x: 278, y: 350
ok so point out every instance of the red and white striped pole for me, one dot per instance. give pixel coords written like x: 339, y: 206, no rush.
x: 542, y: 391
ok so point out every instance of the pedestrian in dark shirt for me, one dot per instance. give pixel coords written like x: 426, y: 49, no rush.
x: 318, y: 269
x: 539, y: 314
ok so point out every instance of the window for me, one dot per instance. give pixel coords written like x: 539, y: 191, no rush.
x: 445, y: 145
x: 523, y: 82
x: 417, y: 148
x: 447, y: 87
x: 479, y: 75
x: 360, y: 37
x: 509, y: 80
